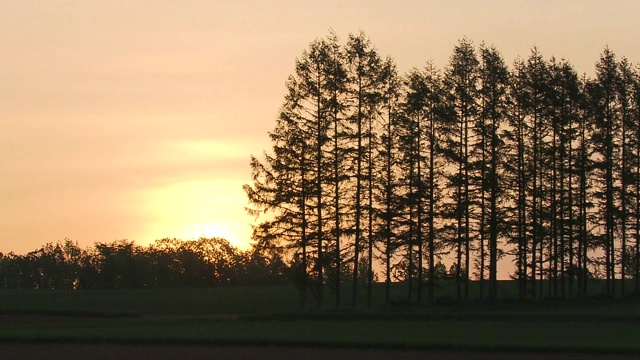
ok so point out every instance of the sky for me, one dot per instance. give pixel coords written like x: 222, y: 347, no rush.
x: 127, y: 119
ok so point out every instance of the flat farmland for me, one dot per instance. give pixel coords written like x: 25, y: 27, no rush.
x: 263, y: 318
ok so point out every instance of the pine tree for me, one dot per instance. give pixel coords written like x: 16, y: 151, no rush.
x: 300, y: 161
x: 519, y: 175
x: 461, y: 82
x: 567, y: 98
x: 437, y: 116
x: 494, y: 83
x: 425, y: 114
x: 337, y: 156
x: 584, y: 168
x: 625, y: 88
x: 387, y: 182
x: 280, y: 192
x: 537, y: 110
x: 364, y: 67
x: 606, y: 126
x: 636, y: 180
x: 368, y: 166
x: 414, y: 112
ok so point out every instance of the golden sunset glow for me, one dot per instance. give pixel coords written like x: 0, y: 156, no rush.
x: 186, y: 211
x: 136, y: 120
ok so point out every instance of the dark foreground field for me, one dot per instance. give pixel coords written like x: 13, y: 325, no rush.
x: 160, y: 352
x: 265, y: 322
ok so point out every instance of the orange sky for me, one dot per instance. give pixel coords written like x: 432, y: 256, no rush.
x: 136, y: 119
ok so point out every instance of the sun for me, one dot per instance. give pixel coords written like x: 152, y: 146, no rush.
x: 211, y: 231
x: 199, y: 208
x: 231, y: 232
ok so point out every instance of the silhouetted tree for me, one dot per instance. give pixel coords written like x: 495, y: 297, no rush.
x: 387, y: 183
x: 364, y: 69
x: 606, y: 126
x: 359, y: 157
x: 461, y: 80
x: 494, y: 105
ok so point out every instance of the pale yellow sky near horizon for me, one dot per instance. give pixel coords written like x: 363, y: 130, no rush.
x: 136, y: 119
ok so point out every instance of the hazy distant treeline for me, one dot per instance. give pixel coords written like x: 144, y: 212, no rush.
x: 123, y: 264
x: 372, y: 170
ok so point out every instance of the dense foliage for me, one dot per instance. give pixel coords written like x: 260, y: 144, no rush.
x: 372, y: 172
x: 123, y: 264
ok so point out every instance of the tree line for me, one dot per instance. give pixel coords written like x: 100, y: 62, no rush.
x: 124, y: 264
x: 373, y: 172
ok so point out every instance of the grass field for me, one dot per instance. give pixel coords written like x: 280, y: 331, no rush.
x: 184, y: 301
x: 271, y: 315
x: 459, y: 334
x: 242, y: 300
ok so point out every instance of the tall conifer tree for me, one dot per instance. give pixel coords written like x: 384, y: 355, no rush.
x: 364, y: 67
x: 461, y: 81
x: 494, y: 82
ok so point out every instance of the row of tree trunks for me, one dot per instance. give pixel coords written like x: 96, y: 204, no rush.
x: 466, y: 165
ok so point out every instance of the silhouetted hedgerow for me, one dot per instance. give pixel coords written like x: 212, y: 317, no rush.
x: 123, y: 264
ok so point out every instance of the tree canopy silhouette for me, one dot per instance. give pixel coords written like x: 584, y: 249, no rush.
x: 475, y: 164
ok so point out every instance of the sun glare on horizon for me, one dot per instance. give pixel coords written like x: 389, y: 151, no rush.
x: 211, y: 231
x: 199, y: 208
